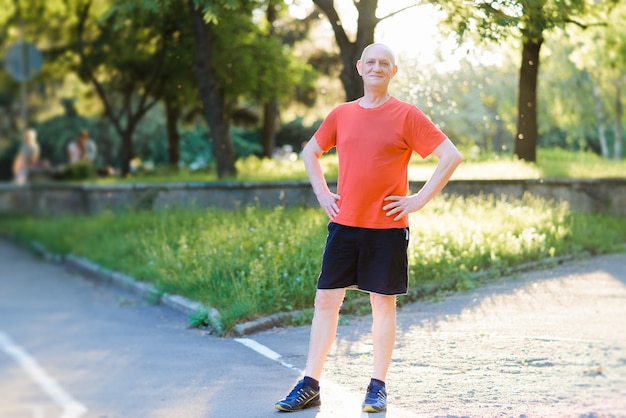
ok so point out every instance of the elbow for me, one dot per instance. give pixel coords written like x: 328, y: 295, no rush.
x: 458, y: 159
x: 455, y: 158
x: 309, y: 154
x: 305, y: 155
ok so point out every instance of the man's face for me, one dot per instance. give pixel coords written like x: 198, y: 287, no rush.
x: 377, y: 66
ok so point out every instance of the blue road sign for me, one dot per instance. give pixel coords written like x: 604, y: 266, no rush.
x: 23, y: 61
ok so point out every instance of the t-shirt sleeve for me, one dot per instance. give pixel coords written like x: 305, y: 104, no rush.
x: 326, y: 134
x: 421, y: 133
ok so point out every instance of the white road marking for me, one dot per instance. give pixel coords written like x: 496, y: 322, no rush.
x: 342, y: 396
x: 71, y: 408
x: 265, y: 351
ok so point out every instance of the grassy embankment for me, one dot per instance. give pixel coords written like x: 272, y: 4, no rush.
x: 253, y: 262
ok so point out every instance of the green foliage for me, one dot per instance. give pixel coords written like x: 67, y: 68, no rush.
x: 253, y: 262
x: 55, y: 134
x: 253, y: 64
x: 246, y: 142
x: 496, y: 19
x: 467, y: 243
x: 76, y: 172
x: 561, y: 163
x: 473, y: 105
x: 295, y: 133
x: 304, y: 318
x: 199, y: 318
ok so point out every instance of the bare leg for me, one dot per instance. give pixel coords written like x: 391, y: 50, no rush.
x: 383, y: 332
x: 323, y: 329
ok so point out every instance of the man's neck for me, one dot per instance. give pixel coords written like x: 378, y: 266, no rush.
x: 373, y: 99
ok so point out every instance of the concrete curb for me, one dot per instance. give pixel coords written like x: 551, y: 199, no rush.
x: 261, y: 324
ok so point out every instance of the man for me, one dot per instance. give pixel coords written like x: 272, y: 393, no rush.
x: 368, y: 233
x: 27, y: 157
x: 82, y: 149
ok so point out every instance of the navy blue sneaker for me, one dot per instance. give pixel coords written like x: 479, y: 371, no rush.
x: 375, y: 399
x: 301, y: 397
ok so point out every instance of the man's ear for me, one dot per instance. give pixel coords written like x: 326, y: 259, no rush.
x: 358, y: 67
x: 394, y: 71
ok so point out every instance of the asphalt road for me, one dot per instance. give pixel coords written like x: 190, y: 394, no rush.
x: 550, y: 343
x: 115, y: 356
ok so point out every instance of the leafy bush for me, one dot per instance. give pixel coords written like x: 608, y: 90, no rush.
x: 295, y: 134
x: 76, y: 171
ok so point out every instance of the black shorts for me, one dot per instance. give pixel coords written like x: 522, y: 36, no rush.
x: 371, y: 260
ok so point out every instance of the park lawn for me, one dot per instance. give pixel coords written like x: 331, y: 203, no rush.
x: 551, y: 163
x: 254, y: 262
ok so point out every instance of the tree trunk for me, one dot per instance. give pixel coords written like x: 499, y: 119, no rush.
x: 270, y: 108
x: 351, y: 51
x: 126, y: 149
x: 617, y: 145
x: 172, y: 114
x: 527, y: 130
x: 212, y: 96
x: 151, y: 92
x: 349, y: 76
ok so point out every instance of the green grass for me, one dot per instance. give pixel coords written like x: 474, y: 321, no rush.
x: 254, y: 262
x: 551, y: 163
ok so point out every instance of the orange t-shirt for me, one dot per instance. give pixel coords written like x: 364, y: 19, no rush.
x: 374, y: 146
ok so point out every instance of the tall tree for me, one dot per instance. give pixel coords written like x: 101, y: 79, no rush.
x: 123, y: 60
x: 529, y: 20
x: 179, y: 87
x: 204, y: 18
x: 233, y: 61
x: 212, y: 93
x: 270, y: 107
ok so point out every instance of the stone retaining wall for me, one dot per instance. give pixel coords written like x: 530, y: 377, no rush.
x: 53, y: 199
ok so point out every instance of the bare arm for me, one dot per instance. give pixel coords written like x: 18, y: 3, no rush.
x: 18, y: 163
x: 34, y: 157
x: 327, y: 200
x: 449, y: 159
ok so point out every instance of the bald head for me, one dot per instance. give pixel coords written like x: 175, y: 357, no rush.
x: 378, y: 48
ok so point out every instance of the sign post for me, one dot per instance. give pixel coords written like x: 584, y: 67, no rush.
x: 23, y: 62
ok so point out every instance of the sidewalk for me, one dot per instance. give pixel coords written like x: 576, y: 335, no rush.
x: 548, y: 343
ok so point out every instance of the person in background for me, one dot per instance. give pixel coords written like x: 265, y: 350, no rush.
x: 368, y: 230
x: 82, y: 149
x: 27, y: 157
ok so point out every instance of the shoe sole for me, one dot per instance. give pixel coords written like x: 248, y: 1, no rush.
x: 305, y: 406
x: 369, y: 408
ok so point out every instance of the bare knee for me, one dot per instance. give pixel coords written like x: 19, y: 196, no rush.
x: 383, y: 304
x: 329, y: 300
